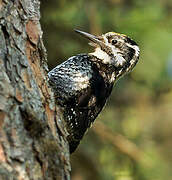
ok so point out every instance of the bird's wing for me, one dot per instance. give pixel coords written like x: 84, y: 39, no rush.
x: 71, y: 77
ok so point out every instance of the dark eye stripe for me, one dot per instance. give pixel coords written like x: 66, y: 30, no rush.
x: 109, y: 38
x: 130, y: 41
x: 129, y: 55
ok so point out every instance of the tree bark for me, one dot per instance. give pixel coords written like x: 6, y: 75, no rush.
x: 32, y: 133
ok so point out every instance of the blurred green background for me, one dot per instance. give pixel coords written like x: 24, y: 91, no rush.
x: 131, y: 139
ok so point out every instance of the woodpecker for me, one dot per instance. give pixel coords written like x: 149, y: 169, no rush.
x: 83, y: 83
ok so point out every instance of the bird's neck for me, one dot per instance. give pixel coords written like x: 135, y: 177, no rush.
x: 102, y: 55
x: 102, y: 61
x: 116, y: 59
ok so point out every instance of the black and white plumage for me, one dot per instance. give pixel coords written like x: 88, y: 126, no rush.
x: 83, y: 83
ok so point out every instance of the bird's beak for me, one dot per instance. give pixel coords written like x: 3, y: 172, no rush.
x: 91, y: 37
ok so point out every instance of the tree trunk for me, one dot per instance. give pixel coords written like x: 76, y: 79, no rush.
x: 32, y: 135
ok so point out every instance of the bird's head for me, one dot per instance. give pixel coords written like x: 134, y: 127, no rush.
x: 116, y: 50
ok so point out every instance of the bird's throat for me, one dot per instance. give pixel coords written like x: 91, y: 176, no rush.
x: 100, y: 54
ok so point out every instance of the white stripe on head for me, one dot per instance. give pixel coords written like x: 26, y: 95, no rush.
x: 136, y: 48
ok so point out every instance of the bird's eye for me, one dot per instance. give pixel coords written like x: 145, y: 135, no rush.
x: 114, y: 41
